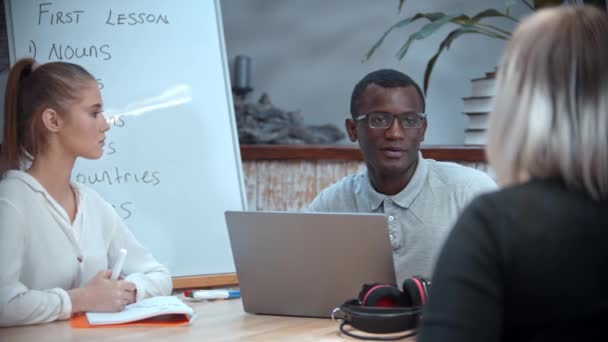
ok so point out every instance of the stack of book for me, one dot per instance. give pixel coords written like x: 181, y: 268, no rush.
x: 477, y: 108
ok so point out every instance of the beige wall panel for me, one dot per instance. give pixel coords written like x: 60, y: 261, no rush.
x: 271, y: 186
x: 300, y: 184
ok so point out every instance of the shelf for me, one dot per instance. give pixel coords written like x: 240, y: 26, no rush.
x: 454, y: 153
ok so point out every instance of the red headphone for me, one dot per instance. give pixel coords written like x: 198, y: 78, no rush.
x: 389, y: 295
x: 384, y: 308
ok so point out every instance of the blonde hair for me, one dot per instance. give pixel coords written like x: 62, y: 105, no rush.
x: 550, y: 115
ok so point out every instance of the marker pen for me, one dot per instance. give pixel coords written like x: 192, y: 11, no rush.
x: 118, y: 265
x: 212, y: 294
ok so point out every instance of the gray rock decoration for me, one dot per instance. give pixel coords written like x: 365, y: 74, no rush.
x: 263, y: 123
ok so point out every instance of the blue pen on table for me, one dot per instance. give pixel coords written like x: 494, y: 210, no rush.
x: 212, y: 294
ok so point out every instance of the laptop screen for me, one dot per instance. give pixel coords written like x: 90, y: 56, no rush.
x: 306, y: 264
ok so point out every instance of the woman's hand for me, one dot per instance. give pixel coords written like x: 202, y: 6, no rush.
x: 101, y: 294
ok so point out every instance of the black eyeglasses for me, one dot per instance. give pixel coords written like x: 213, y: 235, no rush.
x: 385, y: 120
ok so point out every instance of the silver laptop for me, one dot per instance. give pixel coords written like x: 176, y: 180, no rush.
x: 306, y: 264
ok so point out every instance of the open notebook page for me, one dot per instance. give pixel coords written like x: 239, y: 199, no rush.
x: 151, y: 307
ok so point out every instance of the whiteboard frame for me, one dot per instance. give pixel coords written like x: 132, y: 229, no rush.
x: 9, y: 31
x: 228, y: 89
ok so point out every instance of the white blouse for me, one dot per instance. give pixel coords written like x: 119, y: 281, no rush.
x: 42, y: 254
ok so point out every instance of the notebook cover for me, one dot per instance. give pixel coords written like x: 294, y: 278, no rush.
x: 171, y: 320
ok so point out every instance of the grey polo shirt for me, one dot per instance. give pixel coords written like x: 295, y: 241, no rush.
x: 419, y: 217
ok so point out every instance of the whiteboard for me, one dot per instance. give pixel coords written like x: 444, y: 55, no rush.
x: 171, y: 165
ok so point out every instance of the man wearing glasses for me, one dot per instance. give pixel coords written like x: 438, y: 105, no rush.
x: 421, y: 198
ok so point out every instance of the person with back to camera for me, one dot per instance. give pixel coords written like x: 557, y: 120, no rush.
x: 58, y: 238
x: 421, y: 198
x: 530, y: 262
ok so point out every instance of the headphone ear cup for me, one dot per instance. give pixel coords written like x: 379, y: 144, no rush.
x: 414, y: 289
x: 383, y: 295
x: 383, y: 308
x: 378, y: 320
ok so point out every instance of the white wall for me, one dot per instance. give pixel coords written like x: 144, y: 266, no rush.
x: 307, y: 54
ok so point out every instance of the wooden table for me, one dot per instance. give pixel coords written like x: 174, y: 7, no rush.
x: 216, y: 321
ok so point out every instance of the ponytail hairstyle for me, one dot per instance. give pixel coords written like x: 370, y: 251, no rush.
x: 31, y: 89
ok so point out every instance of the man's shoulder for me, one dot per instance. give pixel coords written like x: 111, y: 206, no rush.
x: 339, y: 196
x: 346, y: 184
x: 456, y: 175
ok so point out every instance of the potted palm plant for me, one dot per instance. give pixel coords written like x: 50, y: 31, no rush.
x: 465, y: 24
x: 476, y: 105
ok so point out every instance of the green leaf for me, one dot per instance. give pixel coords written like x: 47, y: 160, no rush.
x: 437, y: 20
x: 399, y: 24
x: 546, y: 3
x: 508, y: 5
x: 427, y: 30
x: 506, y: 34
x: 441, y: 19
x: 527, y: 4
x: 491, y: 13
x: 445, y: 44
x: 401, y: 3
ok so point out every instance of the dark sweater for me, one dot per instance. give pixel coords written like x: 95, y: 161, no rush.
x: 527, y: 263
